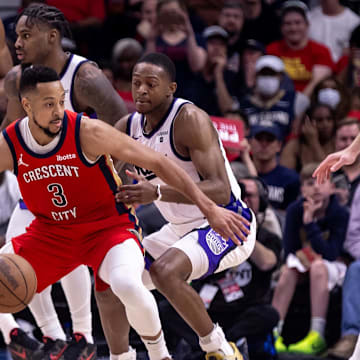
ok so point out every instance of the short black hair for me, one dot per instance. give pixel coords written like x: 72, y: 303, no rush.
x: 34, y: 75
x: 49, y: 15
x: 162, y: 61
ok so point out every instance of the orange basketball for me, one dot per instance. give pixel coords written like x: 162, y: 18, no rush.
x: 18, y: 283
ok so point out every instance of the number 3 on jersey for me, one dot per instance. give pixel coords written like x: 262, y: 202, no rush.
x: 59, y: 198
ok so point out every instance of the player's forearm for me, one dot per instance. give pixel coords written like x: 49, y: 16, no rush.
x: 209, y: 187
x: 177, y: 178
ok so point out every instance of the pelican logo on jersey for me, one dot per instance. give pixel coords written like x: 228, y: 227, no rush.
x: 50, y: 171
x: 215, y: 242
x: 148, y: 174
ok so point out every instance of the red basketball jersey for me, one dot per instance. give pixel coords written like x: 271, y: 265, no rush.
x: 62, y: 186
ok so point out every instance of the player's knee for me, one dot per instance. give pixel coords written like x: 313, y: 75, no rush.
x: 163, y: 274
x: 127, y: 289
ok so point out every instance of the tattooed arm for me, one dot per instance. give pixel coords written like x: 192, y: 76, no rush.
x: 5, y: 57
x: 14, y: 109
x: 94, y: 91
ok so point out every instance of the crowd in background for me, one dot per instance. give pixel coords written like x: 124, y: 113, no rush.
x: 289, y: 73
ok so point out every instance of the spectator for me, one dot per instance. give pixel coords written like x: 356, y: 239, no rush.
x: 214, y: 88
x: 283, y: 183
x: 350, y: 319
x: 252, y: 50
x: 355, y: 99
x: 348, y: 66
x: 147, y: 21
x: 240, y: 297
x: 346, y: 132
x: 330, y: 91
x: 126, y: 52
x: 269, y: 104
x: 173, y: 36
x: 316, y: 140
x: 261, y: 22
x: 306, y: 61
x: 231, y: 19
x: 314, y: 233
x: 331, y: 24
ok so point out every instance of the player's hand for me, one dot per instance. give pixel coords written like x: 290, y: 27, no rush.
x: 228, y: 224
x: 141, y: 193
x: 334, y: 162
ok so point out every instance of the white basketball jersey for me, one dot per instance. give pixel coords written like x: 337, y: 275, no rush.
x: 67, y: 78
x: 161, y: 139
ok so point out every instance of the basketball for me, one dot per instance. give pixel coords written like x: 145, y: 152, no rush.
x: 18, y: 283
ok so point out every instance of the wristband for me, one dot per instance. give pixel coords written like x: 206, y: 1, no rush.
x: 158, y: 192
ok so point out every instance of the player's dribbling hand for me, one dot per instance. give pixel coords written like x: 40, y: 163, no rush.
x: 141, y: 193
x: 228, y: 224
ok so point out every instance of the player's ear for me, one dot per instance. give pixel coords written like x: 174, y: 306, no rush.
x: 53, y: 35
x: 172, y: 88
x: 26, y: 104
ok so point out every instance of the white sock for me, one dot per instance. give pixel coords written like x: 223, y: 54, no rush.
x: 7, y: 323
x: 157, y: 349
x: 280, y: 326
x: 318, y: 324
x: 77, y: 289
x: 43, y: 310
x: 130, y: 355
x: 216, y: 341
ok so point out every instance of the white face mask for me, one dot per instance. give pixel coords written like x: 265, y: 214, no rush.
x: 267, y: 85
x: 330, y: 97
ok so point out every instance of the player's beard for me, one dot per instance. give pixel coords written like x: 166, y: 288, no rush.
x: 46, y: 130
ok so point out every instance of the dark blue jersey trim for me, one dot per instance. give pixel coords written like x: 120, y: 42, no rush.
x: 78, y: 145
x: 12, y: 150
x: 120, y: 207
x: 172, y: 143
x: 128, y: 123
x: 158, y: 126
x: 50, y: 153
x: 64, y: 69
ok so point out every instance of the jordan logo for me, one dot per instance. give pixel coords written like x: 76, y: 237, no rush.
x: 21, y: 162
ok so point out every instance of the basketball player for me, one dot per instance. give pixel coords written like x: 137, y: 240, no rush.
x: 40, y: 29
x: 185, y: 134
x: 332, y: 163
x: 69, y: 186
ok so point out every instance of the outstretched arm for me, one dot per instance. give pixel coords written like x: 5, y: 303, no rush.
x: 335, y: 161
x: 14, y: 109
x: 98, y: 138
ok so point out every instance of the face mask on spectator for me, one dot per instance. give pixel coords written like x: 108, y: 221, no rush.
x: 330, y: 97
x: 267, y: 85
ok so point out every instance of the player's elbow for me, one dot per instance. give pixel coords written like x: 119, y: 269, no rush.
x: 222, y: 194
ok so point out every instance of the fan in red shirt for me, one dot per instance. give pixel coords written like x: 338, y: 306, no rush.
x: 306, y: 61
